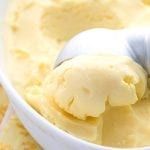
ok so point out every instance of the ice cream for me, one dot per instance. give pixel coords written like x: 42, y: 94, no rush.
x: 84, y: 84
x: 3, y: 103
x: 90, y: 12
x: 143, y: 19
x: 50, y: 110
x: 146, y: 2
x: 37, y: 30
x: 14, y: 136
x: 127, y: 126
x: 13, y: 128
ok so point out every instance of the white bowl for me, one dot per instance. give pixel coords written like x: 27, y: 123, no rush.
x: 46, y: 134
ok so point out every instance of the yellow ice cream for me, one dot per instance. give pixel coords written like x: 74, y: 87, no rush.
x: 147, y: 2
x: 84, y: 84
x: 90, y: 12
x: 50, y: 110
x: 3, y: 103
x: 127, y: 126
x: 14, y: 136
x: 37, y: 30
x: 143, y: 19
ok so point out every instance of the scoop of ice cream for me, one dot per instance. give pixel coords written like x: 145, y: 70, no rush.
x: 83, y: 85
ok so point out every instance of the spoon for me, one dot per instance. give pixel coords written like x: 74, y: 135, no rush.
x: 132, y: 42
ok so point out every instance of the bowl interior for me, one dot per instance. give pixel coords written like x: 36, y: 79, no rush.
x: 32, y: 114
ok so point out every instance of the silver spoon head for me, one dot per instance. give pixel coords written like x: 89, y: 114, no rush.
x: 93, y: 42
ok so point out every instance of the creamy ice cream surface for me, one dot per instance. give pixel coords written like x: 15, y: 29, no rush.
x: 92, y: 97
x: 84, y: 84
x: 14, y: 136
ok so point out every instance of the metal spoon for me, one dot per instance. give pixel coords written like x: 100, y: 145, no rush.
x: 134, y: 43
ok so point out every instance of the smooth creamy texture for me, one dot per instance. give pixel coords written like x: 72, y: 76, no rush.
x: 37, y: 31
x: 80, y: 15
x: 127, y: 126
x: 143, y: 19
x: 84, y: 84
x: 147, y: 2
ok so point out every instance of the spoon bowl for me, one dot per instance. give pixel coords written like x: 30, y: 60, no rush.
x: 98, y: 41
